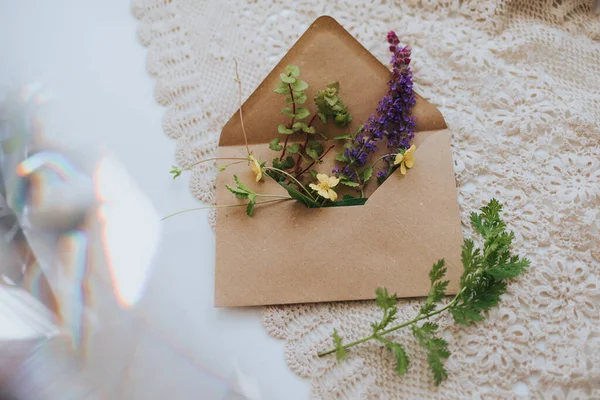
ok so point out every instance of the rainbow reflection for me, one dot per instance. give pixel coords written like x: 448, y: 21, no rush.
x: 130, y: 229
x: 36, y: 175
x: 18, y: 195
x: 55, y: 162
x: 72, y: 268
x: 33, y: 279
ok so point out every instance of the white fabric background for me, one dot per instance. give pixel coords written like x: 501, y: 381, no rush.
x: 519, y: 85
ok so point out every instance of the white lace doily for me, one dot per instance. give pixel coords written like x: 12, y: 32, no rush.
x: 519, y: 85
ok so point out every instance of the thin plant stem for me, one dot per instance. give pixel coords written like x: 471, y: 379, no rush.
x: 216, y: 159
x: 300, y: 154
x: 381, y: 158
x: 418, y: 318
x: 230, y: 164
x: 287, y: 137
x: 305, y: 144
x: 225, y: 206
x: 276, y: 196
x: 362, y: 184
x: 313, y: 163
x: 239, y: 82
x: 293, y: 103
x: 201, y: 208
x: 292, y: 178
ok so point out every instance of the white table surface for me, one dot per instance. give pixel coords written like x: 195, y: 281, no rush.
x: 175, y: 344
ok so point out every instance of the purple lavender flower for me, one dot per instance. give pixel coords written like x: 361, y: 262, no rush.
x: 351, y: 174
x: 381, y: 176
x: 392, y: 119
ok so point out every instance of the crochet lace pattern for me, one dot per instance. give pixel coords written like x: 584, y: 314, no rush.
x: 518, y: 83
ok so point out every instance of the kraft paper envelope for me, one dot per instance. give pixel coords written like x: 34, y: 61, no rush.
x: 286, y: 253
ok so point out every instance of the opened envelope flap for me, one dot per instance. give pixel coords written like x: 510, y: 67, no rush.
x: 325, y: 53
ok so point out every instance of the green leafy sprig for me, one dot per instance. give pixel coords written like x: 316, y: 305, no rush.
x: 241, y: 191
x: 175, y: 171
x: 329, y: 104
x: 486, y: 272
x: 293, y: 88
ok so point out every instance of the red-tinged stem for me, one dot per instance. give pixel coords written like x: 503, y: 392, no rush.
x: 313, y: 163
x: 299, y: 156
x: 305, y: 143
x: 287, y: 137
x: 292, y: 96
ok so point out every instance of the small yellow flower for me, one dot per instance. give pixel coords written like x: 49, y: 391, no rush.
x: 256, y: 167
x: 406, y: 160
x: 325, y: 186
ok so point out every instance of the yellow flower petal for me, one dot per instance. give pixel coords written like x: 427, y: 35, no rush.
x: 403, y: 169
x: 333, y: 181
x: 411, y: 149
x: 324, y: 193
x: 256, y: 167
x: 314, y: 187
x: 410, y: 162
x: 332, y: 195
x: 324, y: 179
x: 399, y: 158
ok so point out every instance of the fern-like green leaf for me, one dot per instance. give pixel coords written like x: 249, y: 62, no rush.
x: 338, y: 342
x: 511, y: 269
x: 436, y: 347
x: 400, y: 356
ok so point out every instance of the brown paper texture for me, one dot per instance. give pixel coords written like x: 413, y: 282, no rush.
x: 286, y: 253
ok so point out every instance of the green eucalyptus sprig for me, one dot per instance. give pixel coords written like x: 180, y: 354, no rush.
x: 486, y: 273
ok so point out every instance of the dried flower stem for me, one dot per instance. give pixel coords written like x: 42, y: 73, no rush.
x: 239, y: 82
x: 279, y: 198
x: 216, y: 159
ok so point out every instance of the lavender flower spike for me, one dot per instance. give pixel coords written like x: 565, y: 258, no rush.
x: 392, y: 120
